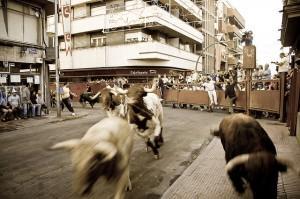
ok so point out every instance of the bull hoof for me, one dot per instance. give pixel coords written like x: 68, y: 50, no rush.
x: 156, y: 157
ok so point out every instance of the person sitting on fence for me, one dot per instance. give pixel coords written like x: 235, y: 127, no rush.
x: 210, y: 88
x: 15, y: 104
x: 5, y: 111
x: 230, y: 95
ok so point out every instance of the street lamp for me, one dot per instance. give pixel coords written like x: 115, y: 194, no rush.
x: 202, y: 51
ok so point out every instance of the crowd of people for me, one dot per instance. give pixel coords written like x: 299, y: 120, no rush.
x: 21, y: 104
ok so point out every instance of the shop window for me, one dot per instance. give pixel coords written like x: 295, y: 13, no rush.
x: 4, y: 67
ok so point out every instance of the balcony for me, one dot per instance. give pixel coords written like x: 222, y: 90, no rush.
x: 290, y: 22
x: 133, y: 54
x: 146, y: 16
x: 233, y: 45
x: 232, y: 61
x: 188, y: 7
x: 236, y: 17
x: 232, y: 29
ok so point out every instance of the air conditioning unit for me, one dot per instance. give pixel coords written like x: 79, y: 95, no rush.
x: 39, y: 60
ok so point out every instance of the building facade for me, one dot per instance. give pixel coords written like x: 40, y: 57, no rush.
x: 230, y: 24
x: 135, y: 39
x: 22, y: 43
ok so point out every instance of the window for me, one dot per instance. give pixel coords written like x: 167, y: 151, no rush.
x: 98, y: 41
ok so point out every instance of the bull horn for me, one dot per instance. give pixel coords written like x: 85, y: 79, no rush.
x: 95, y: 96
x: 240, y: 159
x: 69, y: 144
x: 289, y: 164
x: 150, y: 90
x: 106, y: 148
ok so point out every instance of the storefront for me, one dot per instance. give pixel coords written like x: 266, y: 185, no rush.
x: 16, y: 75
x: 134, y: 74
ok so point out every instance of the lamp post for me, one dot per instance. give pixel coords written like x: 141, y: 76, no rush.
x: 202, y: 51
x: 56, y: 62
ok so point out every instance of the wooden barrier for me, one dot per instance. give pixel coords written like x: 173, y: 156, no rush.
x: 192, y: 97
x: 265, y: 100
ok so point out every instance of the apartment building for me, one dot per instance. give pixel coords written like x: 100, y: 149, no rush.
x: 22, y: 43
x: 230, y: 24
x: 136, y: 39
x: 208, y: 8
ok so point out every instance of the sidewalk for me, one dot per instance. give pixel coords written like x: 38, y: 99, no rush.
x: 50, y: 118
x: 206, y: 177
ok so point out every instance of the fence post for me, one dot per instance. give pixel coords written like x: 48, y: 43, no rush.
x: 248, y: 89
x: 282, y: 112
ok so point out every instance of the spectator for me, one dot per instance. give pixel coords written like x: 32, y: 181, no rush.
x: 5, y: 111
x: 66, y: 97
x: 15, y: 104
x: 40, y: 101
x: 266, y: 75
x: 210, y: 88
x: 35, y: 106
x: 26, y: 100
x: 88, y: 88
x: 230, y: 95
x: 161, y: 86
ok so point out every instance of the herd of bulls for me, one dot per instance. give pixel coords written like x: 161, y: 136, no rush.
x: 104, y: 151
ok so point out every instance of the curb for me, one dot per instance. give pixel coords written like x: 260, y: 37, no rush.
x: 66, y: 118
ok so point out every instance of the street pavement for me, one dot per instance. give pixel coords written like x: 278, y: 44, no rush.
x: 190, y: 167
x: 206, y: 177
x: 29, y: 170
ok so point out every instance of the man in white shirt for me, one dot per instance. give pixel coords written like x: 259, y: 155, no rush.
x: 210, y: 88
x: 66, y: 98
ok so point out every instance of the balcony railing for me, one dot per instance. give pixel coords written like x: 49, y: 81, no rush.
x: 142, y: 16
x: 233, y: 29
x: 239, y: 19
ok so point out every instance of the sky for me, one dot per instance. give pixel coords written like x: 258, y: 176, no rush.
x: 264, y: 19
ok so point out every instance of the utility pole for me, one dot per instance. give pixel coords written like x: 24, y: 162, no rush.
x: 57, y: 63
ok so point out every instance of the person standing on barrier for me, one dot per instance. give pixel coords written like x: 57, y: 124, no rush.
x: 230, y: 95
x: 210, y: 88
x: 66, y: 97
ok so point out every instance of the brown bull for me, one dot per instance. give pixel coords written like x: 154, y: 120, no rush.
x: 251, y: 155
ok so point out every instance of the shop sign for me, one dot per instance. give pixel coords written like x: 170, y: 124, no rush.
x: 36, y: 79
x: 152, y: 71
x: 3, y: 78
x: 11, y: 64
x: 15, y: 78
x: 29, y: 79
x: 136, y: 72
x: 32, y: 50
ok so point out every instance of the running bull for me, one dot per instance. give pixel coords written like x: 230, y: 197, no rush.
x: 104, y: 151
x: 141, y: 108
x: 251, y: 155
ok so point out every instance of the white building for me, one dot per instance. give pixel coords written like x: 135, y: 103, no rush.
x: 135, y: 39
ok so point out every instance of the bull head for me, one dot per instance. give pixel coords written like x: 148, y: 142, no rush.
x: 89, y: 162
x: 260, y: 170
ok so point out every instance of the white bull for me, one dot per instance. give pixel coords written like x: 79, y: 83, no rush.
x: 104, y: 151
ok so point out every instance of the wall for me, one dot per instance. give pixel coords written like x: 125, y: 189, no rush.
x: 23, y: 25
